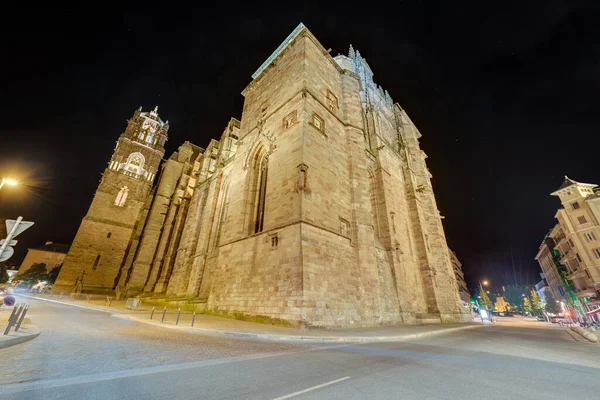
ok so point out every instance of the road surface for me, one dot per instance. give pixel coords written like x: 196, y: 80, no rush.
x: 88, y: 354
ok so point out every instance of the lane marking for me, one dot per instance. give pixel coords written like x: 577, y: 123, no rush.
x: 57, y: 382
x: 75, y: 380
x: 310, y: 389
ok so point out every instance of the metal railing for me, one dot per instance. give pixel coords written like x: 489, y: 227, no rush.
x: 164, y: 314
x: 16, y: 317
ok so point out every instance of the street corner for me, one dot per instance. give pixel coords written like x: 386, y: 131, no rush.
x: 24, y: 334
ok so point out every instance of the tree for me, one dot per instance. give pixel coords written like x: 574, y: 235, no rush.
x: 484, y: 299
x: 514, y: 295
x: 3, y: 274
x: 537, y: 306
x: 552, y: 305
x: 36, y: 273
x: 53, y: 274
x: 501, y: 305
x: 527, y: 305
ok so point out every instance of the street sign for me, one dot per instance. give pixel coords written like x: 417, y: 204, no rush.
x: 6, y: 253
x: 9, y: 301
x: 11, y: 243
x: 22, y: 226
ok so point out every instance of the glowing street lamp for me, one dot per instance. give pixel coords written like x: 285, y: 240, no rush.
x: 7, y: 181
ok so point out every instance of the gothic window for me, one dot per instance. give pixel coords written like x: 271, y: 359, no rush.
x: 290, y: 120
x: 96, y: 262
x: 149, y: 138
x: 318, y: 122
x: 263, y: 170
x: 135, y: 162
x: 332, y: 101
x: 121, y: 197
x: 274, y: 241
x: 575, y: 205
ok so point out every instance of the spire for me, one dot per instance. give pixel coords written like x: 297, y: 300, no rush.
x: 351, y: 53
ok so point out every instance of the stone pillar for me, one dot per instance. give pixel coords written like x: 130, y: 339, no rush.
x: 165, y: 191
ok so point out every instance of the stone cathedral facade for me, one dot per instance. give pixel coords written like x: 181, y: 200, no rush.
x: 315, y: 208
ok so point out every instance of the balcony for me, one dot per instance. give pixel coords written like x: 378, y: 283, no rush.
x: 587, y: 292
x: 129, y: 173
x: 575, y: 274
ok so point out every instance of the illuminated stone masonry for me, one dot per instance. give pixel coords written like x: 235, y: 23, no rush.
x: 315, y: 209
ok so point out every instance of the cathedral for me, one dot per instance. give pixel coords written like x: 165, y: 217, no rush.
x: 315, y: 209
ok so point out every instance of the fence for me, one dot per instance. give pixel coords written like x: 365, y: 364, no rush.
x: 16, y: 317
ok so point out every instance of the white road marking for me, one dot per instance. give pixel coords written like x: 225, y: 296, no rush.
x: 287, y: 396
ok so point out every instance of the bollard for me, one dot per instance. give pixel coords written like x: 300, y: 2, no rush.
x: 163, y: 316
x: 61, y: 295
x: 88, y: 298
x: 152, y: 313
x: 178, y: 313
x: 12, y: 321
x: 17, y: 314
x: 109, y: 301
x: 21, y: 319
x: 193, y: 318
x: 13, y: 312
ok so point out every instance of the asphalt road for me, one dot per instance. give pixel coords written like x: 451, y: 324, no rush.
x: 514, y: 359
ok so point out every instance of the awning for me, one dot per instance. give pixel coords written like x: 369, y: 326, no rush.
x: 596, y: 311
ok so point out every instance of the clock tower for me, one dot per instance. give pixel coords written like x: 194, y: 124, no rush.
x: 107, y: 236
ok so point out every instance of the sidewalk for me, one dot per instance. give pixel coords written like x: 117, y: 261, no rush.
x: 26, y: 332
x: 211, y: 325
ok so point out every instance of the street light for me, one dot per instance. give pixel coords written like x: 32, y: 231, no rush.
x: 11, y: 182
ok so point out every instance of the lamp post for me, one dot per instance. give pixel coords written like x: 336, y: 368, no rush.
x: 7, y: 181
x: 481, y: 285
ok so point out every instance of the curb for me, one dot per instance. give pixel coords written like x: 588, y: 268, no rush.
x: 272, y: 337
x: 65, y: 304
x: 17, y: 338
x: 585, y: 334
x: 298, y: 338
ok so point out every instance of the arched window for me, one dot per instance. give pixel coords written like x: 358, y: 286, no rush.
x: 262, y: 170
x: 121, y: 197
x: 135, y: 162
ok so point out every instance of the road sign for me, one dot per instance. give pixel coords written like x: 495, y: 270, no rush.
x: 9, y: 301
x: 21, y: 226
x: 11, y: 243
x: 7, y: 253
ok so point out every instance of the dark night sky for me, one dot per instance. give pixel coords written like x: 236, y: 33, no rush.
x: 506, y: 98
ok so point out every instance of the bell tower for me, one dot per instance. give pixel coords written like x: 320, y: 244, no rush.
x: 107, y: 233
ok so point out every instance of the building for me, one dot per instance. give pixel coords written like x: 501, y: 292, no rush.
x: 570, y: 254
x: 463, y: 291
x: 51, y: 254
x: 316, y: 208
x: 541, y: 287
